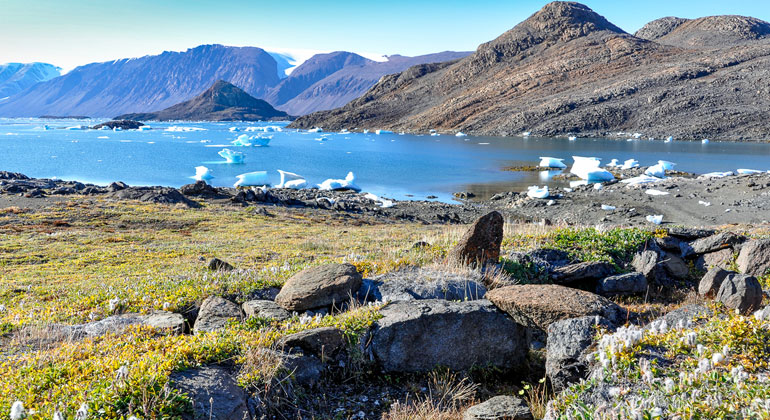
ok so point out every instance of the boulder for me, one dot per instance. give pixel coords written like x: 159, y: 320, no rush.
x: 574, y: 273
x: 720, y: 259
x: 200, y: 189
x: 481, y: 243
x: 668, y: 243
x: 417, y: 336
x: 689, y: 234
x: 741, y: 292
x: 567, y: 356
x: 675, y: 266
x: 165, y: 321
x: 416, y: 283
x: 501, y: 407
x: 215, y: 264
x: 215, y: 313
x: 622, y: 285
x: 214, y: 392
x: 538, y: 306
x: 265, y: 309
x: 650, y: 264
x: 711, y: 282
x: 711, y: 243
x: 322, y: 342
x: 318, y: 287
x: 754, y: 258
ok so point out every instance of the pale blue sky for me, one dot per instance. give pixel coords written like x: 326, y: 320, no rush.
x: 73, y: 32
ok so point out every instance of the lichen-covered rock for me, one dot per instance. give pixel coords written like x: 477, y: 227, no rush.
x: 754, y: 258
x: 321, y: 286
x: 501, y: 407
x: 576, y: 273
x: 215, y: 313
x: 265, y: 309
x: 566, y: 353
x: 741, y: 292
x: 481, y: 243
x: 622, y: 285
x: 214, y: 392
x: 423, y: 283
x: 324, y: 342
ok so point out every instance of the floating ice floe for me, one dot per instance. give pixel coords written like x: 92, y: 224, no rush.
x: 76, y: 127
x: 749, y: 171
x: 383, y: 132
x: 117, y: 129
x: 716, y: 175
x: 315, y: 130
x: 630, y: 163
x: 613, y: 163
x: 607, y: 207
x: 291, y: 180
x: 550, y: 162
x: 344, y: 131
x: 526, y: 134
x: 639, y: 180
x: 537, y: 192
x: 184, y: 129
x: 656, y: 192
x: 340, y: 184
x: 637, y: 135
x: 587, y: 168
x: 144, y: 128
x: 234, y: 129
x: 246, y: 140
x: 102, y: 137
x: 202, y: 173
x: 381, y: 201
x: 572, y: 138
x: 669, y: 139
x: 656, y: 218
x: 231, y: 156
x: 705, y: 141
x: 265, y: 129
x: 460, y: 134
x: 104, y: 128
x: 658, y: 171
x: 252, y: 179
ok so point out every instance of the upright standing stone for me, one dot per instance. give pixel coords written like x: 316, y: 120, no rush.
x: 481, y: 243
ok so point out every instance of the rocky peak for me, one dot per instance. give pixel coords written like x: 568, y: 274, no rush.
x: 659, y: 28
x: 713, y: 32
x: 226, y: 94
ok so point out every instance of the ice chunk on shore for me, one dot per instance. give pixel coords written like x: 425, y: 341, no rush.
x: 550, y: 162
x: 587, y: 168
x: 252, y: 179
x: 657, y: 171
x: 202, y: 173
x: 231, y: 156
x: 669, y: 139
x: 460, y: 134
x: 630, y: 163
x: 315, y: 130
x: 340, y: 184
x: 749, y: 171
x: 704, y: 203
x: 291, y: 180
x: 383, y: 132
x: 639, y: 180
x: 380, y: 201
x: 526, y: 134
x: 716, y: 175
x: 655, y: 218
x: 669, y: 166
x: 656, y: 192
x: 613, y: 163
x: 537, y: 192
x: 607, y: 207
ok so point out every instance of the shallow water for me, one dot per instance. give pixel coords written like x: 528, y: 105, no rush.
x: 392, y: 165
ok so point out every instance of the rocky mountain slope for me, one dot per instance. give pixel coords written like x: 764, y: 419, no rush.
x: 15, y: 77
x: 566, y: 69
x: 221, y: 102
x: 145, y: 84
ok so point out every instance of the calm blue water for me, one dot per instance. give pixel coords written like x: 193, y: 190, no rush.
x: 396, y: 166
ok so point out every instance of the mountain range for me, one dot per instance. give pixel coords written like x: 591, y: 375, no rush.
x: 567, y: 69
x: 153, y: 83
x: 16, y: 77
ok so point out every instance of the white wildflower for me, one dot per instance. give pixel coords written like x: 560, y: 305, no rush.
x: 166, y: 305
x: 691, y: 339
x: 726, y: 350
x: 121, y: 374
x: 17, y: 411
x: 113, y: 304
x: 700, y: 349
x: 669, y: 384
x: 2, y: 308
x: 717, y: 358
x: 82, y: 412
x: 656, y: 413
x: 57, y: 415
x: 704, y: 365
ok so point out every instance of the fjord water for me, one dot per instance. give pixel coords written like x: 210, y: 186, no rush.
x: 392, y: 165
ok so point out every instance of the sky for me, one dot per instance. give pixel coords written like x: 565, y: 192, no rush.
x: 69, y: 33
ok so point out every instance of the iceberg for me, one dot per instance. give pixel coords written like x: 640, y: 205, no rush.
x: 76, y: 127
x: 252, y: 179
x: 383, y: 132
x: 242, y: 140
x: 234, y: 129
x: 607, y: 207
x: 657, y: 171
x: 526, y: 134
x: 613, y: 163
x: 749, y: 171
x: 104, y: 127
x: 184, y: 129
x: 549, y: 162
x: 656, y: 192
x: 705, y: 141
x: 144, y: 128
x: 715, y: 175
x: 657, y: 218
x: 572, y: 138
x: 202, y: 173
x: 344, y: 131
x: 265, y: 129
x: 669, y: 166
x: 587, y: 168
x: 117, y: 129
x: 641, y: 179
x: 537, y: 192
x: 231, y: 156
x: 246, y: 140
x: 291, y: 180
x: 630, y: 163
x: 340, y: 184
x: 315, y: 130
x: 669, y: 139
x: 460, y: 134
x: 381, y: 201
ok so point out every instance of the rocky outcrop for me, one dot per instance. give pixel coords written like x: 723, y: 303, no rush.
x: 580, y: 272
x: 417, y: 336
x: 215, y: 313
x: 481, y: 243
x: 538, y: 306
x: 214, y: 392
x: 501, y: 407
x: 266, y: 309
x: 422, y: 283
x: 318, y: 287
x: 566, y: 69
x: 324, y: 343
x: 628, y: 284
x: 120, y: 124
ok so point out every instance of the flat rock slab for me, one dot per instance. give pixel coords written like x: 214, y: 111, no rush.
x: 711, y: 243
x: 502, y: 407
x: 319, y: 287
x: 322, y: 342
x: 628, y: 284
x: 589, y: 270
x: 166, y: 321
x: 540, y: 305
x: 215, y: 313
x: 265, y: 309
x: 214, y: 392
x: 422, y: 283
x: 754, y: 258
x: 481, y: 243
x: 417, y: 336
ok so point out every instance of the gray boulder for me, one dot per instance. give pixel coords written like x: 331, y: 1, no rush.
x: 675, y: 266
x: 265, y: 309
x: 722, y: 240
x: 574, y: 273
x: 501, y: 407
x: 322, y: 342
x: 417, y: 336
x: 481, y: 243
x: 215, y: 313
x: 720, y: 259
x: 622, y: 285
x: 215, y: 264
x: 754, y: 258
x: 711, y: 282
x: 567, y: 358
x: 318, y: 287
x: 422, y: 283
x: 650, y: 264
x: 741, y: 292
x: 214, y: 392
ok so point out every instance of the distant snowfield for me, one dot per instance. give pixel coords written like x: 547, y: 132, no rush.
x: 290, y: 58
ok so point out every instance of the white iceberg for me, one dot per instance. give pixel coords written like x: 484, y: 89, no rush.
x: 658, y: 171
x: 613, y: 163
x: 340, y: 184
x: 76, y: 127
x: 315, y: 130
x: 716, y: 175
x: 460, y: 134
x: 526, y: 134
x: 383, y: 132
x: 537, y: 192
x: 184, y: 129
x: 202, y: 173
x: 344, y: 131
x: 381, y: 201
x: 242, y: 140
x: 252, y: 179
x: 669, y: 166
x: 705, y: 141
x: 104, y: 128
x: 231, y: 156
x: 572, y: 138
x: 630, y: 163
x: 749, y: 171
x: 669, y: 139
x: 234, y: 129
x: 550, y: 162
x: 291, y: 180
x: 246, y: 140
x: 641, y: 179
x: 587, y: 168
x: 117, y: 129
x: 607, y: 207
x: 656, y: 218
x: 265, y: 129
x: 656, y: 192
x: 144, y: 128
